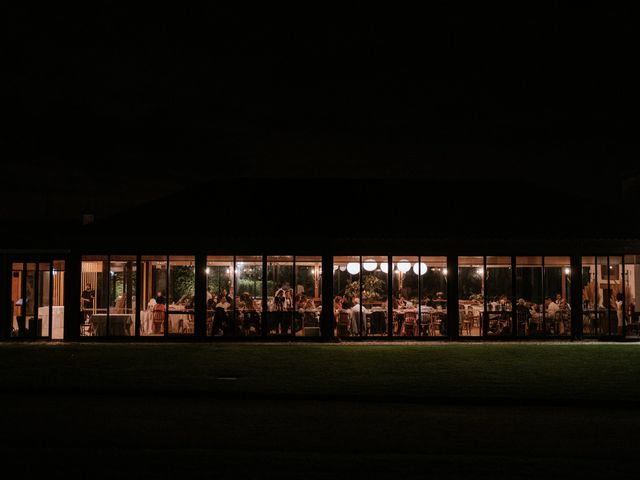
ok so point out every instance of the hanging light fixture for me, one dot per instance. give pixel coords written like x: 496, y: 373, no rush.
x: 353, y: 268
x: 207, y: 270
x: 384, y: 266
x: 370, y: 265
x: 567, y: 271
x: 343, y: 268
x: 444, y: 271
x: 420, y: 268
x: 480, y: 271
x: 404, y: 266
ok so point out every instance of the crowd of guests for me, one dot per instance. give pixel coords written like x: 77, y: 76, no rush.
x: 285, y: 313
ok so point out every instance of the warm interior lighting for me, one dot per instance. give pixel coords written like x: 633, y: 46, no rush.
x: 420, y: 268
x: 353, y: 268
x: 480, y: 271
x: 404, y: 266
x: 384, y: 266
x: 370, y: 265
x: 567, y: 271
x: 444, y: 271
x: 207, y: 270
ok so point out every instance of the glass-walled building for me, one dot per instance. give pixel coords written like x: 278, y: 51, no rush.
x: 370, y: 296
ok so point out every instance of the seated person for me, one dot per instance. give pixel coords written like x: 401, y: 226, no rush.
x: 160, y: 300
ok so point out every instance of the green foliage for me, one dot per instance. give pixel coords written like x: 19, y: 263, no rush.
x: 182, y: 281
x: 372, y: 288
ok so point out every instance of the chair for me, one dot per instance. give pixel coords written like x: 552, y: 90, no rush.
x: 522, y: 319
x: 157, y: 319
x: 425, y: 321
x: 344, y: 319
x: 466, y: 321
x: 410, y: 324
x: 434, y: 324
x: 189, y: 328
x: 378, y: 323
x: 86, y: 328
x: 562, y: 322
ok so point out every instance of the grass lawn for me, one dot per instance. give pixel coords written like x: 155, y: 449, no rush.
x: 565, y: 373
x: 321, y: 411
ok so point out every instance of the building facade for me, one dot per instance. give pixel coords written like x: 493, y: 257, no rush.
x: 418, y: 295
x: 298, y: 260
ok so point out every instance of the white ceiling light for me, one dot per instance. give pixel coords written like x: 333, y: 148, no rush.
x: 420, y: 268
x: 353, y: 268
x: 404, y: 266
x: 370, y: 265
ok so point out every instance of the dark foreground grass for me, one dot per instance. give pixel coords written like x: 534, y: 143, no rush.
x: 320, y: 411
x: 459, y: 372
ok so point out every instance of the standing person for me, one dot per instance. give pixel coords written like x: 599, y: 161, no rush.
x: 87, y: 299
x: 278, y: 311
x: 619, y: 311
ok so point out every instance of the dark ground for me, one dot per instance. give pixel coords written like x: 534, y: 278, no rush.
x: 320, y: 411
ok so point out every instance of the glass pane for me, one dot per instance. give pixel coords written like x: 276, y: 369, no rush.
x: 248, y: 301
x: 44, y: 299
x: 616, y: 296
x: 405, y: 285
x: 57, y: 330
x: 375, y: 278
x: 471, y: 295
x: 122, y: 295
x: 18, y: 300
x: 346, y: 287
x: 557, y: 288
x: 529, y: 295
x: 433, y: 305
x: 498, y: 284
x: 603, y: 326
x: 280, y: 296
x: 220, y: 295
x: 309, y: 286
x: 590, y: 301
x: 153, y: 307
x: 632, y: 290
x: 182, y: 282
x: 94, y: 295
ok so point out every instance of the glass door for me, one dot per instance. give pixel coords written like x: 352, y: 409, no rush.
x: 37, y: 309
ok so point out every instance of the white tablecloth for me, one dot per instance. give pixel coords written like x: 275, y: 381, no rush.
x: 57, y: 324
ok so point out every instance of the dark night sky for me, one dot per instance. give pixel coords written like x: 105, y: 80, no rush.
x: 114, y: 106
